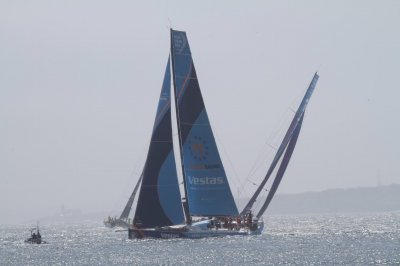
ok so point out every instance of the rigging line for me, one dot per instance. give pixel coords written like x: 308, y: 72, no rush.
x: 260, y: 199
x: 245, y: 186
x: 258, y: 202
x: 133, y: 173
x: 255, y: 184
x: 268, y: 181
x: 271, y: 138
x: 263, y: 152
x: 265, y: 155
x: 228, y: 158
x: 256, y: 165
x: 273, y: 147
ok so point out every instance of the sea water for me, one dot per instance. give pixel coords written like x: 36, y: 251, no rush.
x: 333, y: 239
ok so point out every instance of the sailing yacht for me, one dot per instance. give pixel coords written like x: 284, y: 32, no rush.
x: 123, y: 221
x: 207, y: 207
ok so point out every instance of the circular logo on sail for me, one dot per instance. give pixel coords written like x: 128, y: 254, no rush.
x: 198, y: 148
x: 179, y: 42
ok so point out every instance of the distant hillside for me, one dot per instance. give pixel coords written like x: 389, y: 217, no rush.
x: 363, y: 199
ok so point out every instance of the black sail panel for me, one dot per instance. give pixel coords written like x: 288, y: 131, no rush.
x: 159, y: 202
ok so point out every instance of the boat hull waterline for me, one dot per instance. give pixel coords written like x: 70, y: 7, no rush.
x: 115, y: 223
x: 195, y: 231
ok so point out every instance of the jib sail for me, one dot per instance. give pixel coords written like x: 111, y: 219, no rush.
x: 206, y: 186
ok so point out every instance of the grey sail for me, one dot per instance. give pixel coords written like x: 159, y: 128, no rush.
x: 282, y: 167
x: 128, y: 206
x: 285, y: 142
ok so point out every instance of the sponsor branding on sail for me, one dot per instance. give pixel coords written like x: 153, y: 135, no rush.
x: 198, y: 148
x: 179, y: 42
x: 205, y: 180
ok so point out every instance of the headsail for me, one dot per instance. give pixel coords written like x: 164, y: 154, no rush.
x: 128, y: 206
x: 159, y: 201
x: 289, y: 135
x: 206, y: 186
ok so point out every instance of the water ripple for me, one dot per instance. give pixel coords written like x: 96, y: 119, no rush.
x: 347, y: 239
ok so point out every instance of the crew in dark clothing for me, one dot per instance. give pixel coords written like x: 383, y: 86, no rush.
x: 238, y: 222
x: 249, y: 219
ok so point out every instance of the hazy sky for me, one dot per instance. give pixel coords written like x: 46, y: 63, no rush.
x: 80, y: 80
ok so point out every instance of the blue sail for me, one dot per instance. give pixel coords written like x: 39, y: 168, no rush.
x: 159, y: 202
x: 206, y: 186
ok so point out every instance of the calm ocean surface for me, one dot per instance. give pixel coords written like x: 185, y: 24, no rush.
x: 347, y: 239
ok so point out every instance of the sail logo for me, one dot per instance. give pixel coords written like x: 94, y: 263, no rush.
x: 179, y: 42
x: 198, y: 148
x: 206, y: 180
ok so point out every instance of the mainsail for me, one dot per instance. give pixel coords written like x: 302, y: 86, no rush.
x: 159, y: 201
x: 290, y: 136
x: 207, y: 189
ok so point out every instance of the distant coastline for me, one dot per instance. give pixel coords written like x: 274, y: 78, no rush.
x: 350, y: 200
x: 361, y: 199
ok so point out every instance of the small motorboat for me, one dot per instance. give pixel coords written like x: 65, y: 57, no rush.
x: 36, y: 238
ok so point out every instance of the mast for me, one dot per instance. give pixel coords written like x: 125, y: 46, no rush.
x: 288, y: 136
x: 185, y: 202
x: 128, y: 206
